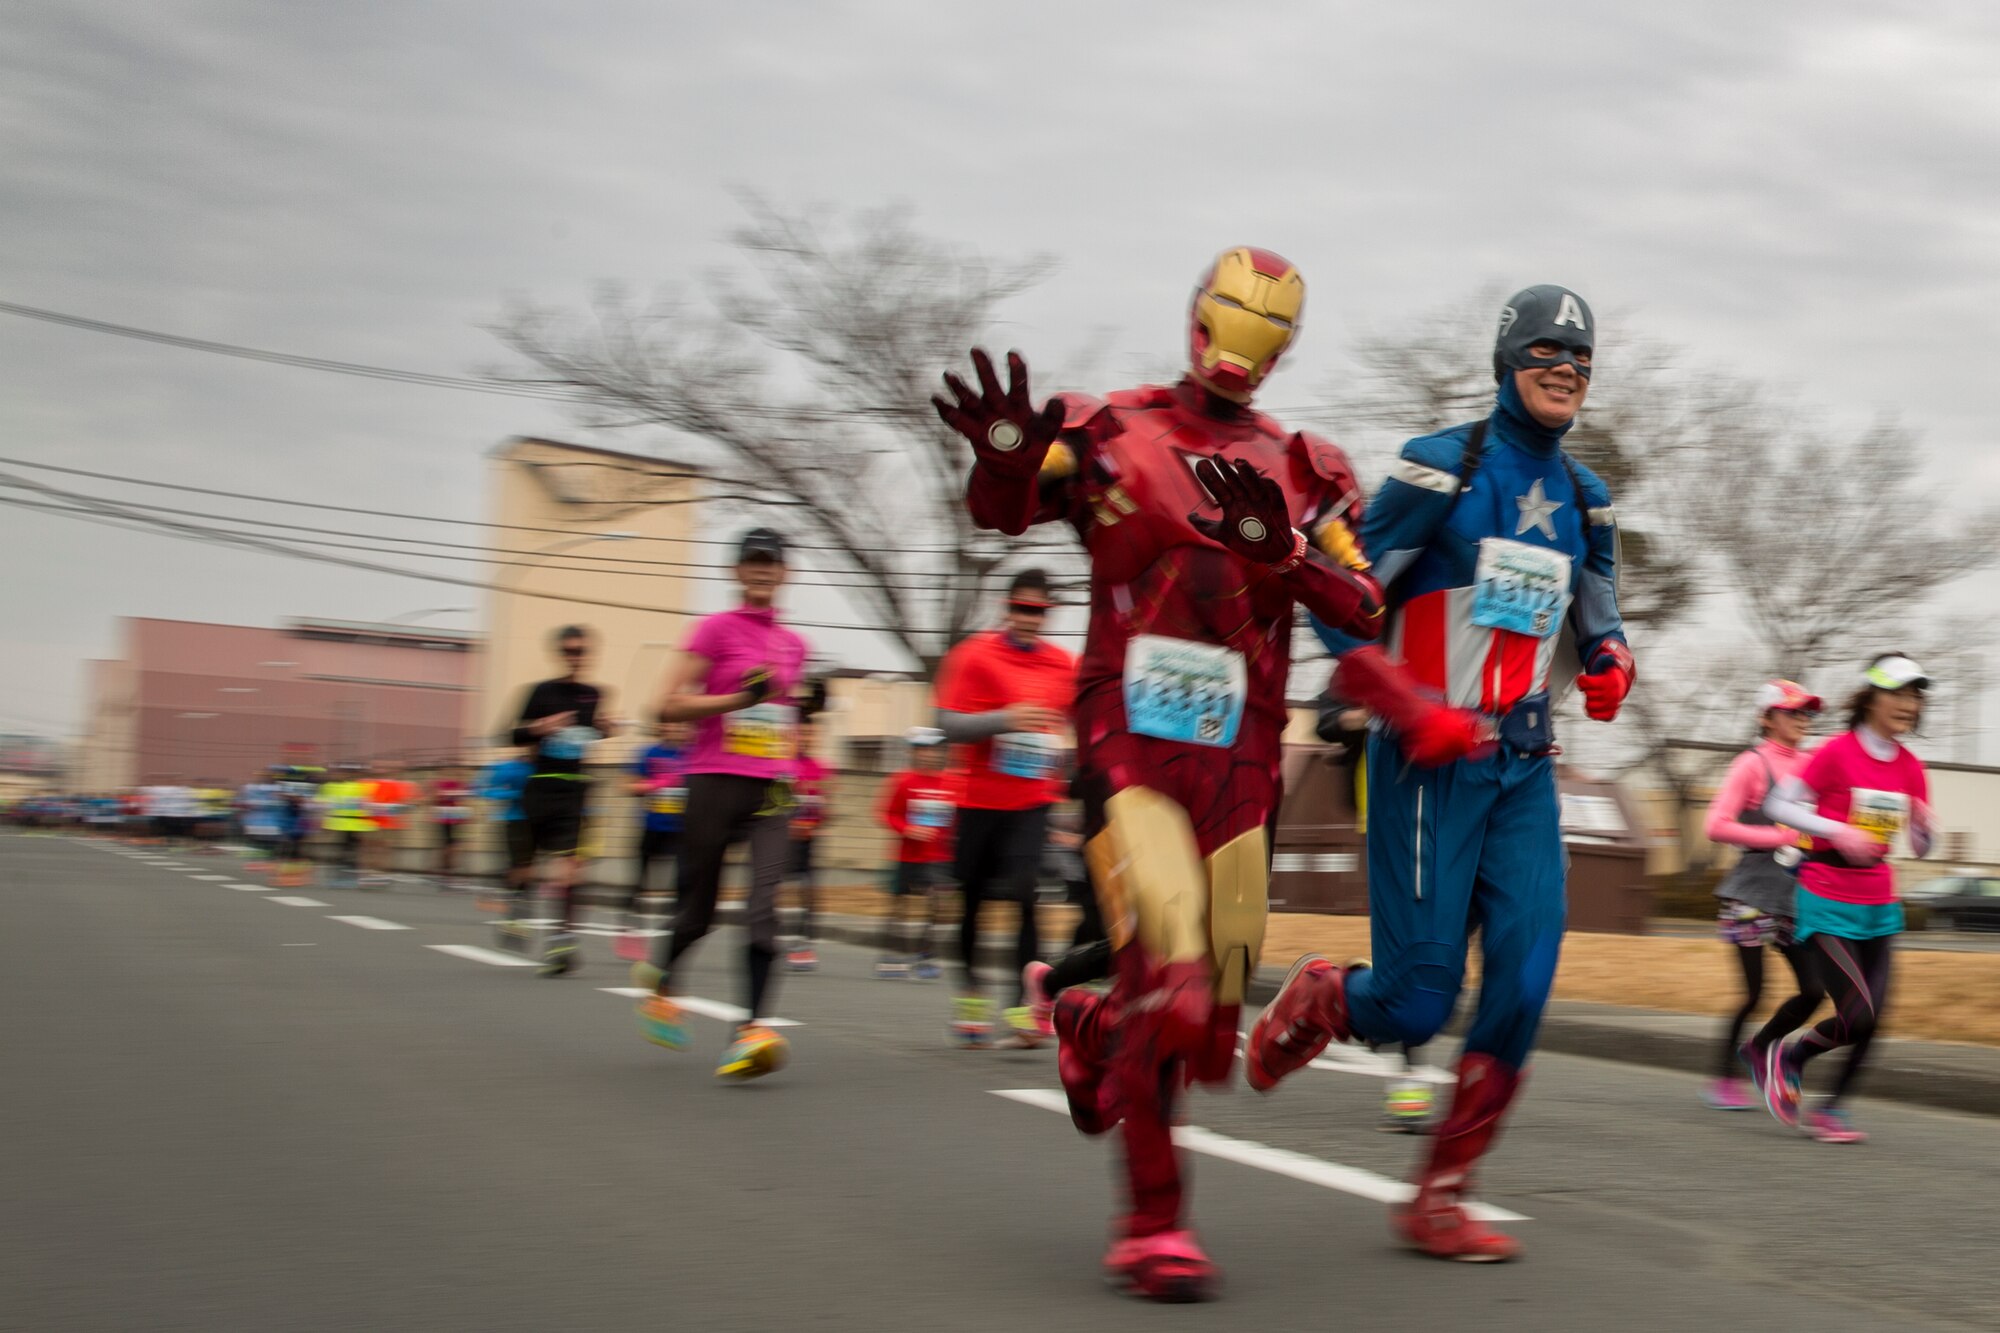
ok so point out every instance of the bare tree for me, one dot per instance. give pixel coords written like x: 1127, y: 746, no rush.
x: 1835, y: 545
x: 811, y: 386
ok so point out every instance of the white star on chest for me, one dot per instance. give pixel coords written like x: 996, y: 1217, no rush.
x: 1537, y: 511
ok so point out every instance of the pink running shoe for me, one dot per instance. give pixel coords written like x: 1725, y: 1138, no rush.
x: 1728, y: 1094
x: 1034, y: 980
x: 1168, y: 1266
x: 1782, y: 1086
x: 1829, y: 1124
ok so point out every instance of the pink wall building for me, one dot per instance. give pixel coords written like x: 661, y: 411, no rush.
x: 193, y: 700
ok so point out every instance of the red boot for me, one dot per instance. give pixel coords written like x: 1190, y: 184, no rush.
x: 1166, y: 1266
x: 1084, y: 1023
x: 1309, y: 1011
x: 1214, y: 1060
x: 1436, y: 1220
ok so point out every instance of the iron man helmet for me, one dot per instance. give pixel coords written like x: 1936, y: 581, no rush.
x: 1245, y: 314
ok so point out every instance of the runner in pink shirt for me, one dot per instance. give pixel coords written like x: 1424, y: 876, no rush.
x: 1757, y: 895
x: 1857, y: 795
x: 734, y: 682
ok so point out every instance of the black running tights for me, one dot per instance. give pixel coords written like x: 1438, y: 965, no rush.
x: 1856, y: 974
x: 1787, y: 1018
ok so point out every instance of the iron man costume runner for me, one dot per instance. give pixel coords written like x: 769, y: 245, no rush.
x: 1206, y: 523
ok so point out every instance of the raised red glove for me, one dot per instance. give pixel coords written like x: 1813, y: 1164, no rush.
x: 1609, y: 681
x: 1009, y: 437
x: 1256, y: 523
x: 1430, y: 731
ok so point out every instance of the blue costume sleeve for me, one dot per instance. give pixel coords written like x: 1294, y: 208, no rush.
x: 1593, y: 614
x: 1412, y: 504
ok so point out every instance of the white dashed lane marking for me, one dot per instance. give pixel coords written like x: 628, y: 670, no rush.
x: 369, y: 922
x: 290, y: 901
x: 1279, y: 1161
x: 491, y: 957
x: 695, y: 1004
x: 249, y: 888
x: 213, y: 879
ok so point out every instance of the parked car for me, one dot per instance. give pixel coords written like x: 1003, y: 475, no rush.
x: 1962, y: 902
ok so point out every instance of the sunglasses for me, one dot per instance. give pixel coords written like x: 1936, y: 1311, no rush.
x: 575, y: 650
x: 1028, y: 608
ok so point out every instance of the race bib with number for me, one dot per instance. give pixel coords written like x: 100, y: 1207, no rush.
x: 762, y: 731
x: 669, y: 800
x: 1027, y: 754
x: 1178, y: 690
x: 1881, y: 814
x: 1520, y: 588
x: 569, y: 743
x: 930, y: 814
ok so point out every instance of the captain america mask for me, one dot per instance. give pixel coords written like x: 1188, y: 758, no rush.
x: 1555, y: 317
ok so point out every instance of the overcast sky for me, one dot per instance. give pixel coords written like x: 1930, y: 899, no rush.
x: 1803, y: 193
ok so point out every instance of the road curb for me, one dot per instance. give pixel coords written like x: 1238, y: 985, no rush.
x: 1937, y: 1074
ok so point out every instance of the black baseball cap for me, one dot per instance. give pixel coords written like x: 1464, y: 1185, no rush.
x: 761, y: 544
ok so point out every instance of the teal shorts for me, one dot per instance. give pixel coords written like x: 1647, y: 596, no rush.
x: 1847, y: 921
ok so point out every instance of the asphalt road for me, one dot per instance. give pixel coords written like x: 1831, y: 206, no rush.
x: 220, y: 1111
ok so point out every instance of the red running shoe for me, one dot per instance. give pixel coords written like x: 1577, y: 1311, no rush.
x: 1082, y: 1023
x: 1168, y: 1266
x: 1436, y: 1223
x: 1309, y: 1011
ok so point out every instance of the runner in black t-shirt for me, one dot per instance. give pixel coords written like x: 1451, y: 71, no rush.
x: 561, y: 719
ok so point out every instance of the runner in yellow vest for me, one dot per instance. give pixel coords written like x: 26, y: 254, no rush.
x: 345, y: 803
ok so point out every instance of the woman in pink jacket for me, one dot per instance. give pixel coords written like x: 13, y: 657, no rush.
x: 1757, y: 895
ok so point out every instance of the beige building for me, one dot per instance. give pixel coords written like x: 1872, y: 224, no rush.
x: 586, y: 525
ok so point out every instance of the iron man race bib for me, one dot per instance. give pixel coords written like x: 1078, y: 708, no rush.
x: 1178, y: 690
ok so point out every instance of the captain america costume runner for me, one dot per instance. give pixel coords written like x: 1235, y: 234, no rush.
x: 1498, y: 553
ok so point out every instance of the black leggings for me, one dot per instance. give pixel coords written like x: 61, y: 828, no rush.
x: 723, y: 808
x: 654, y: 845
x: 1856, y: 974
x: 999, y: 856
x: 1788, y: 1018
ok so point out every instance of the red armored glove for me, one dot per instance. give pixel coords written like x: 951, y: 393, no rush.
x: 1009, y: 437
x: 1429, y: 731
x: 1256, y: 523
x: 1609, y: 681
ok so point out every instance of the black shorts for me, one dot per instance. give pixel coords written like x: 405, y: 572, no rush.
x: 800, y: 864
x: 552, y: 808
x: 908, y: 877
x: 520, y: 845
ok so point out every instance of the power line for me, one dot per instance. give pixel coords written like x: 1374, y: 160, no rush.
x: 195, y: 532
x: 428, y: 518
x: 942, y: 584
x: 943, y: 580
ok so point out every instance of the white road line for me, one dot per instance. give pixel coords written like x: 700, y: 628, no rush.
x: 369, y: 922
x: 479, y: 955
x: 249, y: 888
x: 1369, y: 1064
x: 1280, y: 1161
x: 213, y: 879
x: 296, y: 902
x: 728, y: 1013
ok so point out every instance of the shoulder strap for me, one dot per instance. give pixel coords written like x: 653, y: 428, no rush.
x: 1475, y: 453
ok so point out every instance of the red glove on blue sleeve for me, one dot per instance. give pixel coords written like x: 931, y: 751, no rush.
x: 1608, y: 682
